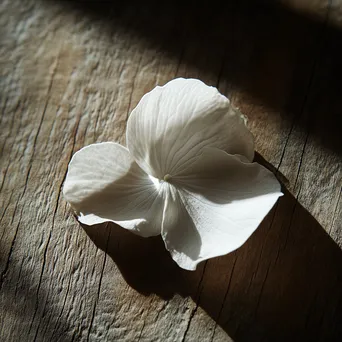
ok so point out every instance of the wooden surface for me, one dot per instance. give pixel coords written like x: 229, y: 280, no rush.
x: 70, y: 74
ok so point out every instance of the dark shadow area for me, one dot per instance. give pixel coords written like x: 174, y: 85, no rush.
x: 26, y: 313
x: 288, y: 62
x: 283, y: 284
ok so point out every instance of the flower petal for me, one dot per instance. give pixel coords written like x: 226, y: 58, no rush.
x: 172, y: 124
x: 215, y: 206
x: 105, y: 184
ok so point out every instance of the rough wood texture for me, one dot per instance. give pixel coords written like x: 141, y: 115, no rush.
x: 70, y: 74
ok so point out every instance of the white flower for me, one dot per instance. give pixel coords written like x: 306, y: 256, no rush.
x: 187, y: 174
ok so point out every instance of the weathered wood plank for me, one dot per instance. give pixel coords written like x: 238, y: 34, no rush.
x: 70, y: 74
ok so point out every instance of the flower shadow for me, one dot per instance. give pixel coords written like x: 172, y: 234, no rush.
x: 284, y: 283
x: 144, y: 262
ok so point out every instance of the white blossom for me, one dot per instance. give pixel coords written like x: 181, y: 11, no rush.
x: 187, y: 174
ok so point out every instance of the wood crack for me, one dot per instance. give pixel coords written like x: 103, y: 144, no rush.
x: 40, y: 126
x: 3, y: 214
x: 4, y: 175
x: 99, y: 287
x: 43, y: 314
x: 263, y: 243
x: 144, y: 322
x: 40, y: 282
x: 162, y: 309
x: 18, y: 279
x: 224, y: 299
x: 198, y: 295
x: 131, y: 95
x: 4, y: 273
x: 262, y: 290
x: 44, y: 256
x: 335, y: 211
x: 286, y: 143
x: 65, y: 297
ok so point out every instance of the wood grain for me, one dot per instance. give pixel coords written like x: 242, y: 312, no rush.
x: 71, y: 72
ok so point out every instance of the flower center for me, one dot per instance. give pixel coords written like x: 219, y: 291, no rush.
x: 158, y: 182
x: 167, y: 177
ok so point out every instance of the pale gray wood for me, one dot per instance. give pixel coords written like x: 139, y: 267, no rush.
x: 71, y: 72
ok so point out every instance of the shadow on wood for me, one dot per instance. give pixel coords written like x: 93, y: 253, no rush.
x: 283, y: 284
x: 288, y: 62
